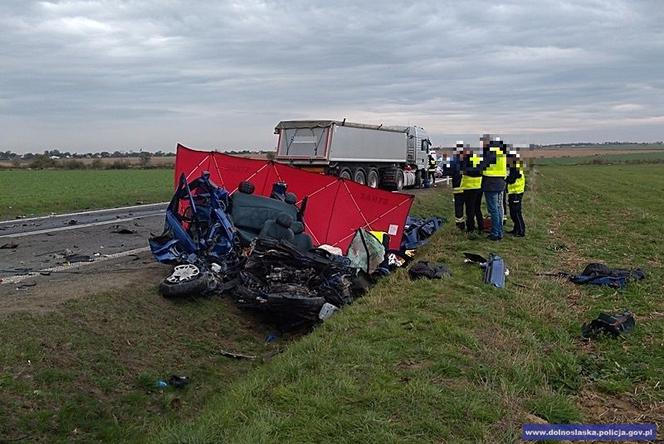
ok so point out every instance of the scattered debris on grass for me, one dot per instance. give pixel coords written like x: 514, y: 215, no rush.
x: 600, y: 274
x: 495, y: 270
x: 235, y: 355
x: 613, y: 325
x: 428, y: 270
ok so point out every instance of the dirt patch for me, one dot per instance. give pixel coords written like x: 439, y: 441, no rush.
x: 50, y: 291
x: 607, y: 409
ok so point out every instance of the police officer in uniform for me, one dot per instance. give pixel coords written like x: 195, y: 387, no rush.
x: 432, y: 168
x: 452, y: 168
x: 494, y: 167
x: 516, y: 186
x: 471, y: 183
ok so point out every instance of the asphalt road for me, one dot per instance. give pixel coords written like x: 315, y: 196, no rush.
x: 38, y: 246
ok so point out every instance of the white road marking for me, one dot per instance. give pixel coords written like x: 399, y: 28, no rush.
x: 82, y: 213
x: 21, y: 277
x: 74, y: 227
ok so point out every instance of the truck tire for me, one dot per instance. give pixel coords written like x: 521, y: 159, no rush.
x: 393, y: 179
x: 419, y: 179
x: 399, y: 180
x: 345, y: 174
x: 360, y: 176
x: 373, y: 178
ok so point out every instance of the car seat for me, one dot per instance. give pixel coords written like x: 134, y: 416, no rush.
x: 302, y: 240
x: 278, y: 229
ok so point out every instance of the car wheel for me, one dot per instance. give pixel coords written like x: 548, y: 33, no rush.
x: 345, y: 174
x: 360, y: 176
x: 372, y: 178
x: 187, y: 280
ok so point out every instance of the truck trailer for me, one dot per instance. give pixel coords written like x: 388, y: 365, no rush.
x: 390, y: 157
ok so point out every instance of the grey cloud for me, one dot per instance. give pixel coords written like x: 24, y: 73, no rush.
x: 91, y: 74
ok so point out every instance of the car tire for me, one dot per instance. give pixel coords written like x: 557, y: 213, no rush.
x: 201, y: 285
x: 345, y: 174
x: 360, y: 176
x: 373, y: 178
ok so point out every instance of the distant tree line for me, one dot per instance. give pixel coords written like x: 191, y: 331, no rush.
x: 101, y: 160
x: 575, y: 144
x: 57, y: 154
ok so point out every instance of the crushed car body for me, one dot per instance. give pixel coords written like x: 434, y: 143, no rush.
x: 296, y: 259
x: 199, y: 238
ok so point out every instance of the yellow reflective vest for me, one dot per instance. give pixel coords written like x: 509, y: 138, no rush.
x: 471, y: 183
x: 499, y: 168
x: 519, y: 186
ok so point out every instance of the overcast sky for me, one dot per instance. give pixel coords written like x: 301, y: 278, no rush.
x: 93, y: 75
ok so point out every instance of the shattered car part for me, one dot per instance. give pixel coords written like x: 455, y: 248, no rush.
x: 198, y: 234
x: 326, y: 311
x: 183, y: 273
x: 293, y: 286
x: 495, y: 270
x: 366, y: 251
x: 188, y: 280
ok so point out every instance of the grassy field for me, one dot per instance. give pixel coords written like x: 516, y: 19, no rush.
x: 604, y: 159
x: 39, y: 192
x: 427, y: 361
x: 88, y: 372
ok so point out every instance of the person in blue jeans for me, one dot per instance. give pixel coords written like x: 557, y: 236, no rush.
x: 494, y: 203
x: 493, y: 184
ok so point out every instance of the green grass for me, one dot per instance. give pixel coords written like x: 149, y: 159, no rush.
x: 457, y: 361
x: 39, y: 192
x: 603, y: 159
x: 88, y: 372
x: 427, y: 361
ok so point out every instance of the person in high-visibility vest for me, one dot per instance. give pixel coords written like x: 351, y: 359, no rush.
x: 494, y: 172
x: 433, y: 165
x: 471, y: 182
x: 516, y: 186
x: 452, y: 169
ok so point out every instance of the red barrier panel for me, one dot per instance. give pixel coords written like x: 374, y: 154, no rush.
x: 335, y: 207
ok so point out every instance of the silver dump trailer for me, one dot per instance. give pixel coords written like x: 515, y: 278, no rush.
x: 391, y: 157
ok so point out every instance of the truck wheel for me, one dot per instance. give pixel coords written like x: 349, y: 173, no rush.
x: 400, y: 179
x: 360, y: 176
x: 372, y: 178
x: 418, y: 178
x: 345, y: 174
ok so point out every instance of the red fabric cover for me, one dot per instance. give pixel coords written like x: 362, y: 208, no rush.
x: 336, y: 208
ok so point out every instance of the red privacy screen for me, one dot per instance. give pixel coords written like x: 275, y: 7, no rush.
x: 335, y: 207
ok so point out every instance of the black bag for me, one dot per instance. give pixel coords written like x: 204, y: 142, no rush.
x: 613, y: 325
x: 429, y: 270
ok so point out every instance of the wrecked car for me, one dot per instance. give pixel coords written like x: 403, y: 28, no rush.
x: 296, y: 286
x: 255, y: 248
x: 199, y: 239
